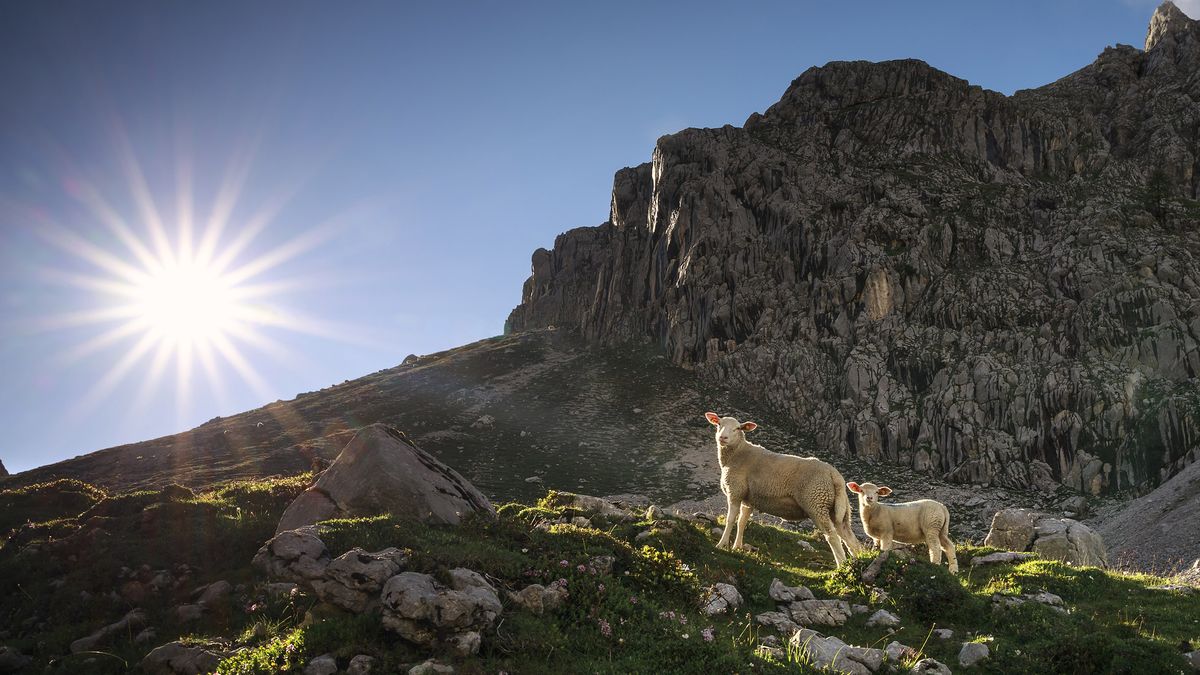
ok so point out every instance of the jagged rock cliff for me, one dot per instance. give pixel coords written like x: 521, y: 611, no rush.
x: 997, y: 289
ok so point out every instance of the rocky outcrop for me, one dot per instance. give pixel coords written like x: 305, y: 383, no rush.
x: 296, y: 555
x: 1057, y: 538
x: 177, y: 658
x: 354, y: 579
x: 996, y: 289
x: 3, y: 471
x: 381, y: 471
x: 1158, y: 531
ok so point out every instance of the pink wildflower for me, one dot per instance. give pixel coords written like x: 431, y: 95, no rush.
x: 707, y: 634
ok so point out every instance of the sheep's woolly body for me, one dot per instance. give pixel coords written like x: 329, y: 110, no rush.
x: 924, y: 521
x: 793, y: 488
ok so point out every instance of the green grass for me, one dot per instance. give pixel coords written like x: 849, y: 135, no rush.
x: 642, y: 617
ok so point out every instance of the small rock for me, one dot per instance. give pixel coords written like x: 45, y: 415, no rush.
x: 779, y: 621
x: 176, y: 658
x: 781, y: 592
x: 134, y: 619
x: 972, y: 653
x: 930, y: 667
x: 147, y: 635
x: 943, y: 633
x: 859, y: 609
x: 819, y: 612
x: 884, y: 619
x: 1193, y: 659
x: 361, y: 665
x: 431, y: 667
x: 1000, y: 557
x: 534, y: 479
x: 213, y: 593
x: 353, y: 580
x: 189, y: 613
x: 325, y: 664
x: 722, y: 599
x: 294, y: 555
x: 897, y: 652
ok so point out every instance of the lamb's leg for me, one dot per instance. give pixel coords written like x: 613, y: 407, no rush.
x: 825, y: 525
x: 935, y: 548
x: 951, y: 554
x: 743, y: 519
x: 885, y: 542
x: 730, y: 514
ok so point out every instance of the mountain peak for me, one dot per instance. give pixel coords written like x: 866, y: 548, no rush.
x: 1167, y: 19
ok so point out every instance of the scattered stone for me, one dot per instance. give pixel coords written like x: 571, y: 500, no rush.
x: 1001, y: 557
x: 176, y: 658
x: 972, y: 653
x: 883, y: 618
x: 189, y: 613
x: 1193, y: 659
x: 325, y: 664
x: 426, y: 613
x: 595, y: 506
x: 805, y: 545
x: 1176, y: 588
x: 431, y: 667
x: 580, y: 521
x: 354, y: 579
x: 213, y: 593
x: 819, y: 612
x: 539, y: 599
x: 829, y: 652
x: 147, y: 635
x: 943, y: 633
x: 296, y: 555
x: 722, y: 599
x: 779, y: 621
x: 859, y: 609
x: 134, y: 619
x: 603, y: 564
x: 781, y: 592
x: 1049, y: 599
x: 281, y: 589
x: 534, y: 479
x: 930, y: 667
x: 896, y: 652
x: 876, y: 566
x: 484, y: 422
x: 381, y: 471
x: 361, y: 665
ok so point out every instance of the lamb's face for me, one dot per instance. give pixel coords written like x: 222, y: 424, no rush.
x: 729, y: 429
x: 869, y: 493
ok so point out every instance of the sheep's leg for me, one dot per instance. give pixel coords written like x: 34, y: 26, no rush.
x: 743, y: 519
x: 730, y: 516
x: 935, y: 548
x: 825, y: 525
x: 951, y: 554
x: 852, y: 543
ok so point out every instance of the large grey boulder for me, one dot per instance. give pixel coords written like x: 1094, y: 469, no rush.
x: 1056, y: 538
x: 354, y: 579
x: 722, y: 599
x: 431, y: 615
x: 381, y: 471
x: 830, y: 652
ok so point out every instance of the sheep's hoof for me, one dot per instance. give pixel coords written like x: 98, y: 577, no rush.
x: 722, y: 544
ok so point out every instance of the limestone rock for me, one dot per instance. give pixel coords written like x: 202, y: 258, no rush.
x: 780, y: 622
x: 883, y: 618
x: 819, y: 612
x: 897, y: 652
x: 972, y: 653
x: 431, y: 667
x: 780, y: 592
x: 354, y: 579
x: 930, y: 667
x: 1157, y: 530
x: 295, y: 555
x: 539, y: 599
x: 361, y: 665
x: 1000, y: 557
x: 213, y: 593
x: 722, y: 599
x: 426, y: 613
x: 830, y: 652
x: 177, y: 658
x: 381, y: 471
x: 325, y: 664
x: 1056, y: 538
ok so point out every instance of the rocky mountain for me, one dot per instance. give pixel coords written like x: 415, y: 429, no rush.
x: 994, y: 289
x: 3, y: 471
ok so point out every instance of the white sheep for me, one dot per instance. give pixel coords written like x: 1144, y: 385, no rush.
x: 790, y: 487
x: 924, y: 521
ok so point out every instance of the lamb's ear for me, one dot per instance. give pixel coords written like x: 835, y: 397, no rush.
x: 884, y: 491
x: 749, y: 426
x: 854, y: 487
x: 713, y: 417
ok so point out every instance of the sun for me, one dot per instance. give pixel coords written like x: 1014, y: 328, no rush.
x: 187, y: 302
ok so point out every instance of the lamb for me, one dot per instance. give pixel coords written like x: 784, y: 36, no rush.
x: 787, y: 486
x: 924, y: 521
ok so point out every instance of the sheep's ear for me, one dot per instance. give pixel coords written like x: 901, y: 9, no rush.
x: 713, y: 417
x: 854, y: 487
x: 749, y: 426
x: 884, y: 491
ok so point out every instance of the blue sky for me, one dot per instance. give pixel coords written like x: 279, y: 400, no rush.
x: 419, y: 151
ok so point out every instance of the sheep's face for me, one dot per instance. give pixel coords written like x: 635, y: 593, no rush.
x: 868, y: 493
x: 729, y: 429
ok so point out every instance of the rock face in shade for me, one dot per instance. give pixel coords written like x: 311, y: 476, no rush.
x: 3, y: 471
x: 381, y: 471
x: 995, y: 289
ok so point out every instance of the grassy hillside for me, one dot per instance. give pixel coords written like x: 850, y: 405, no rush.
x: 66, y: 571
